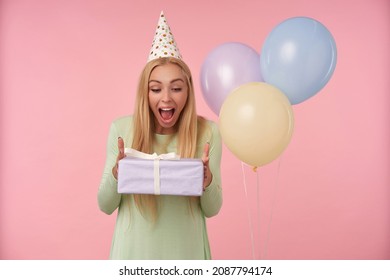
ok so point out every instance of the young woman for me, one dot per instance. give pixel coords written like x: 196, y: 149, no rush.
x: 164, y: 120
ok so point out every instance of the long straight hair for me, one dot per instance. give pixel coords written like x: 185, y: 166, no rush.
x: 144, y: 127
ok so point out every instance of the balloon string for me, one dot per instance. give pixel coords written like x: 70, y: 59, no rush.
x: 248, y: 210
x: 272, y: 209
x: 258, y: 211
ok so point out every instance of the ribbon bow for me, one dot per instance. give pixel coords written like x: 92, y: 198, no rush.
x: 137, y: 154
x: 156, y: 163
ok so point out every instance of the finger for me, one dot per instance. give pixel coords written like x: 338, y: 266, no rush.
x: 121, y: 154
x: 206, y: 150
x: 121, y: 148
x: 207, y: 176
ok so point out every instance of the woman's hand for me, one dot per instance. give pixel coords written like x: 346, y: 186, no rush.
x: 208, y: 176
x: 121, y: 148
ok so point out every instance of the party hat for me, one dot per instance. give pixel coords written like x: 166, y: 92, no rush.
x: 164, y: 44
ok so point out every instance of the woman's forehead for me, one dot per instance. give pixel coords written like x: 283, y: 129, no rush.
x: 167, y: 73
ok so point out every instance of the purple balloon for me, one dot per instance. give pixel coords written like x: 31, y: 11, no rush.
x: 227, y: 67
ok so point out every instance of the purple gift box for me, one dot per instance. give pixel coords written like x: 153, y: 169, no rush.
x: 164, y: 174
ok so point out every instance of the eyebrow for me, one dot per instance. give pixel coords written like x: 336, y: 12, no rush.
x: 173, y: 81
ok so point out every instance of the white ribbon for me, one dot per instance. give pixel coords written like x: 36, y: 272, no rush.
x: 137, y: 154
x: 156, y: 164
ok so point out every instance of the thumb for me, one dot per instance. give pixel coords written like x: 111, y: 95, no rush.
x: 206, y: 150
x: 121, y: 147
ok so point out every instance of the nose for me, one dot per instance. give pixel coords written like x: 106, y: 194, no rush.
x: 166, y: 96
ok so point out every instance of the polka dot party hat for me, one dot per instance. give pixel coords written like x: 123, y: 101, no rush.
x: 164, y: 44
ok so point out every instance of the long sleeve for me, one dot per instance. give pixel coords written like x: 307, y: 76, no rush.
x: 180, y: 231
x: 108, y: 197
x: 211, y: 200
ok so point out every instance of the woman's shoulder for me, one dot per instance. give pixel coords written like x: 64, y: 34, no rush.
x: 123, y: 123
x: 213, y: 125
x: 207, y: 124
x: 123, y: 120
x: 123, y: 127
x: 208, y: 129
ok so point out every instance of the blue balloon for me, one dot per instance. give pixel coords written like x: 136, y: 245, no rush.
x: 298, y: 57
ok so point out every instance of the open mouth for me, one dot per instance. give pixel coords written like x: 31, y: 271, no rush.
x: 166, y: 113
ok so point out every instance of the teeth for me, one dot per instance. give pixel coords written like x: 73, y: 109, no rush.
x: 166, y: 109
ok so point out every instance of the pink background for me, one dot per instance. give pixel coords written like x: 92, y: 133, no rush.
x: 68, y: 68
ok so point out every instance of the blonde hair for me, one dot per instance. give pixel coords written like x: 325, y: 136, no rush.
x: 144, y: 128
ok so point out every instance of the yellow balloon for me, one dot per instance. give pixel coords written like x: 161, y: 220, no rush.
x: 256, y: 123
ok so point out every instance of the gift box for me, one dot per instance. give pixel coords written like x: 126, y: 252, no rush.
x: 165, y: 174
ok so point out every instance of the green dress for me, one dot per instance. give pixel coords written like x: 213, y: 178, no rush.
x: 180, y: 230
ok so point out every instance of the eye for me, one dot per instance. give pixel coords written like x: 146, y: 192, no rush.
x: 176, y: 89
x: 155, y: 90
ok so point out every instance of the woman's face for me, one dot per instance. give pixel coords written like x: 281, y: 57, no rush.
x: 168, y: 92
